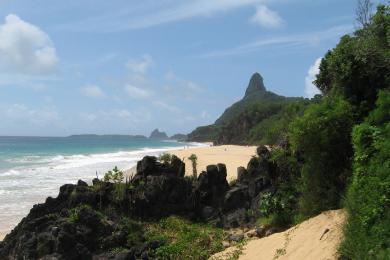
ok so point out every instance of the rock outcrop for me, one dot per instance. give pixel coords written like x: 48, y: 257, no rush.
x: 84, y: 222
x: 256, y: 85
x: 156, y: 134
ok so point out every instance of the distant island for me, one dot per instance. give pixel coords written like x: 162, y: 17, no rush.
x: 155, y: 135
x: 112, y: 135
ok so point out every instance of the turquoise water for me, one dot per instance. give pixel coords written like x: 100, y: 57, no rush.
x: 33, y: 168
x: 24, y: 151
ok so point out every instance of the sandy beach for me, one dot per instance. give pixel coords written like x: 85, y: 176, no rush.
x: 233, y: 156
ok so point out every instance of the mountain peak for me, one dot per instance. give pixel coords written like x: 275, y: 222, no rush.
x: 256, y: 84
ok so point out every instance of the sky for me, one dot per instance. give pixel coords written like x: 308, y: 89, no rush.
x: 127, y: 67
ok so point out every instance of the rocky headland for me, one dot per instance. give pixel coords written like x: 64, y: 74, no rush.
x: 109, y: 220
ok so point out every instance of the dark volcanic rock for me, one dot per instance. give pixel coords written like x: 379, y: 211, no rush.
x: 256, y: 85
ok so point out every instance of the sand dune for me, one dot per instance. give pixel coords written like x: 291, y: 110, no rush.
x: 314, y: 239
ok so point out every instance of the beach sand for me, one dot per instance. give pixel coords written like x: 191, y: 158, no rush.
x: 233, y: 156
x: 316, y: 238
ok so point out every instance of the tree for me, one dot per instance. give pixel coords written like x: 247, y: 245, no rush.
x: 194, y: 160
x: 364, y: 12
x: 321, y: 138
x: 359, y: 66
x: 368, y: 198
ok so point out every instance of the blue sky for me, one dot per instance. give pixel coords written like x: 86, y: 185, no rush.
x: 127, y: 67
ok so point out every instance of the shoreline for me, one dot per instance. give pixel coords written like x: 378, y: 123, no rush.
x: 232, y: 155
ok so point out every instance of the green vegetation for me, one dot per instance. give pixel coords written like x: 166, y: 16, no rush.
x: 368, y: 201
x: 273, y: 129
x: 359, y: 66
x: 165, y: 158
x: 115, y: 175
x: 134, y: 230
x: 194, y: 160
x: 74, y: 213
x: 322, y: 138
x: 333, y: 150
x: 244, y: 121
x: 182, y: 239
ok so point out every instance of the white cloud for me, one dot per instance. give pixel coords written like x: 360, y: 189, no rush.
x: 25, y: 48
x: 140, y: 66
x: 163, y: 105
x: 93, y: 91
x: 153, y: 13
x: 181, y: 88
x: 289, y: 41
x: 136, y: 92
x: 267, y: 18
x: 20, y: 113
x: 205, y: 115
x: 310, y: 88
x: 107, y: 116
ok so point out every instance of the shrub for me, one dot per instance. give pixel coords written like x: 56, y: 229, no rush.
x: 165, y: 158
x: 321, y: 137
x: 134, y: 231
x: 194, y: 160
x: 74, y: 213
x: 115, y: 175
x: 367, y: 233
x: 182, y: 239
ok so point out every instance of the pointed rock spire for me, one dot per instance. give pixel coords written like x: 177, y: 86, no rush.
x: 256, y: 84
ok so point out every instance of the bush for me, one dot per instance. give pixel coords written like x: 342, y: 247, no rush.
x: 367, y: 233
x: 74, y: 213
x: 134, y: 231
x: 165, y: 158
x: 321, y: 137
x: 182, y: 239
x: 115, y: 175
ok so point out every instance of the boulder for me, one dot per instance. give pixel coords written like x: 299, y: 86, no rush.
x: 212, y: 185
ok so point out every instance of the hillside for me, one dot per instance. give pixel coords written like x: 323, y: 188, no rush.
x: 234, y: 126
x: 255, y: 93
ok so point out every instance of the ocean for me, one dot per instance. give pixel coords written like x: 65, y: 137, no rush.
x: 33, y: 168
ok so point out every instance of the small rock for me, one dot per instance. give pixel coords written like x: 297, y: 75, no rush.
x: 225, y: 244
x: 260, y: 232
x: 270, y: 231
x: 236, y: 237
x: 251, y: 233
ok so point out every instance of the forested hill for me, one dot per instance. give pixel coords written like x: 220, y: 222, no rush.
x: 244, y: 122
x: 255, y: 92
